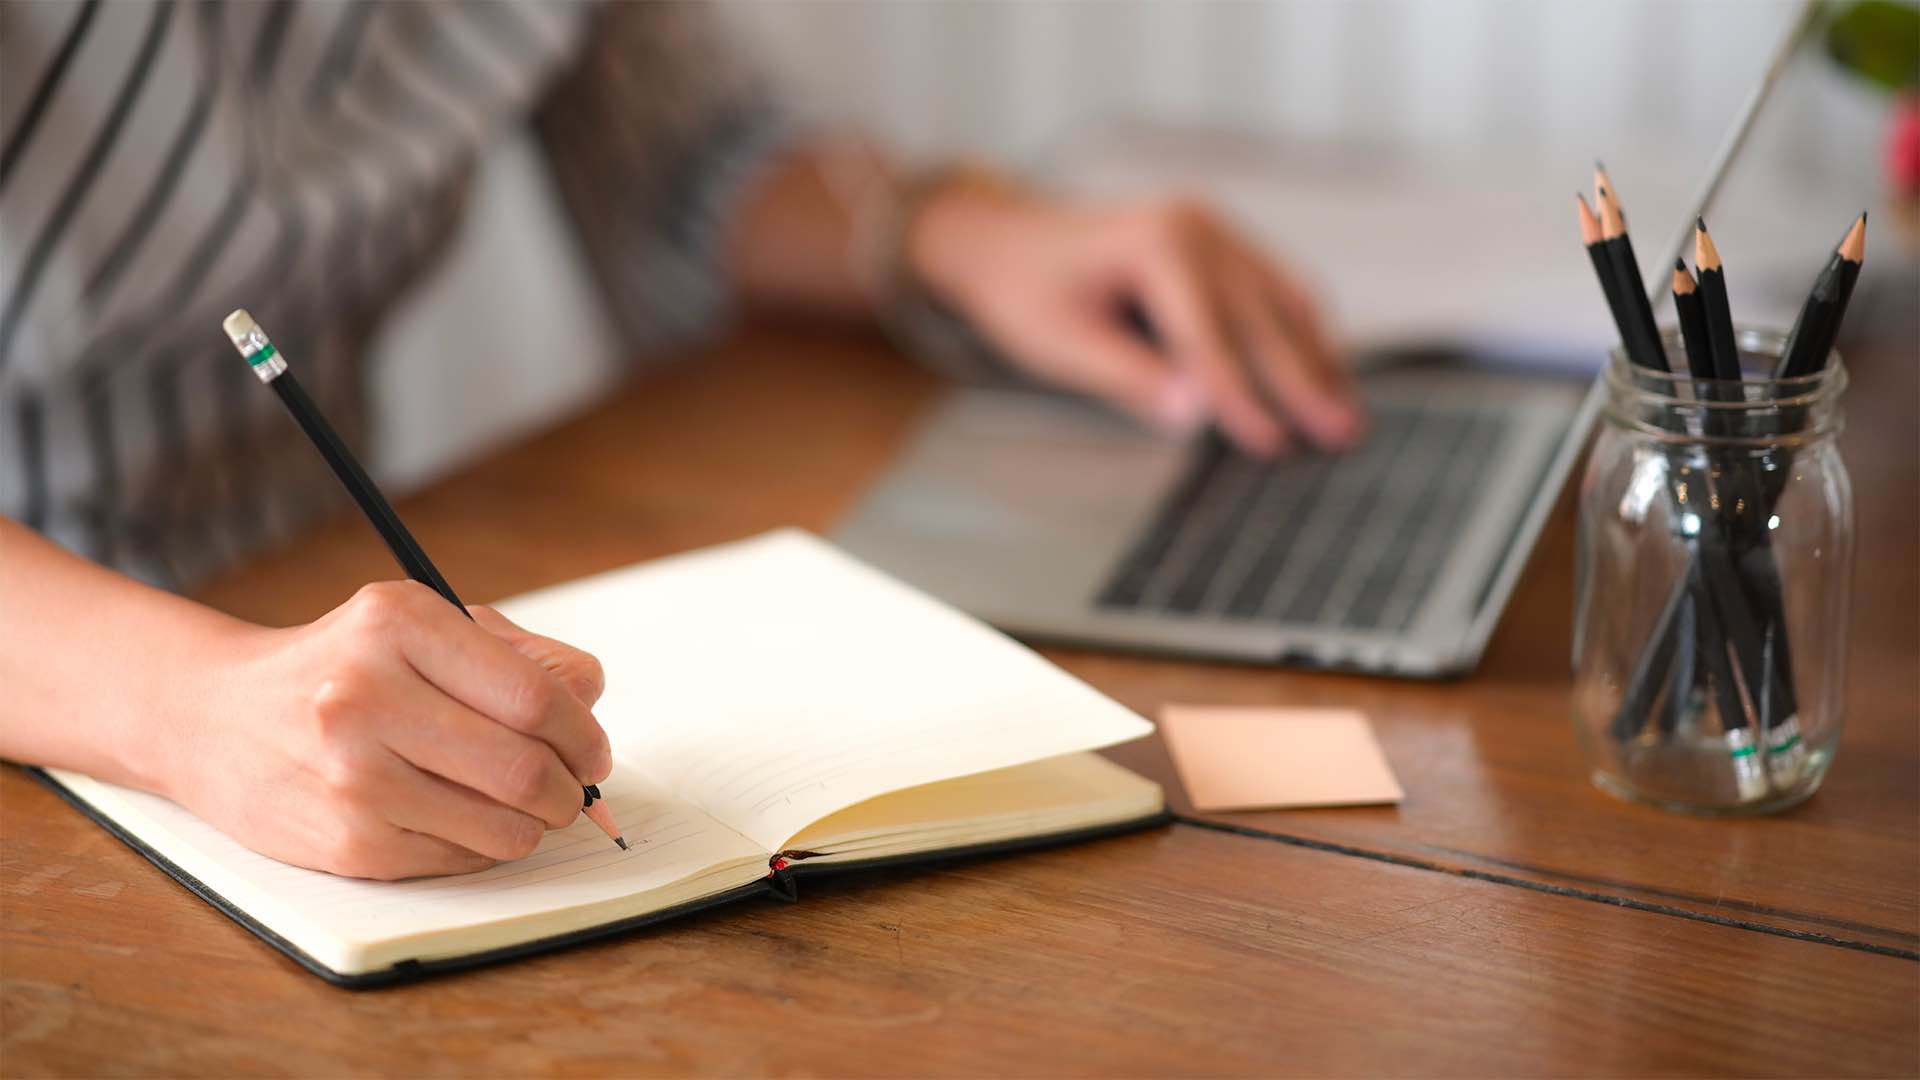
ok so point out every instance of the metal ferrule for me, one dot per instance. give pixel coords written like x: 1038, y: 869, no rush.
x: 262, y: 357
x: 1749, y: 775
x: 1786, y: 751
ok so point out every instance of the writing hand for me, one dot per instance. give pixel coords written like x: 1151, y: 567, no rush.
x: 391, y: 738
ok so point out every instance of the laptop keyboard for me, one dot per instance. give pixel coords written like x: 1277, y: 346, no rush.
x: 1351, y: 541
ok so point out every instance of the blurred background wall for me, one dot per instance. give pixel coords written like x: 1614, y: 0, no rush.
x: 1009, y: 77
x: 1017, y: 80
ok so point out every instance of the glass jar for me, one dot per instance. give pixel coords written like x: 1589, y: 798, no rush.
x: 1713, y: 584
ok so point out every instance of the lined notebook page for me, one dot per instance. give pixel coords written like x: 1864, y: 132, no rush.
x: 775, y: 680
x: 352, y: 925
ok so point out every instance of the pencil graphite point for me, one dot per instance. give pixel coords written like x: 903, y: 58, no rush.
x: 1613, y: 223
x: 600, y: 815
x: 1705, y: 255
x: 1607, y: 195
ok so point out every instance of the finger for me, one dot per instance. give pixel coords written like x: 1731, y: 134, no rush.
x: 1280, y: 361
x: 492, y: 678
x: 385, y: 852
x: 438, y: 735
x: 1100, y: 357
x: 580, y: 672
x: 1304, y: 318
x: 423, y: 803
x: 1179, y: 303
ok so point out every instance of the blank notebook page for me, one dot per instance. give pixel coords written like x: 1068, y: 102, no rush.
x: 334, y: 919
x: 775, y: 680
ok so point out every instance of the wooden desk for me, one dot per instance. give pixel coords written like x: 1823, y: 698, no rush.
x: 1506, y: 919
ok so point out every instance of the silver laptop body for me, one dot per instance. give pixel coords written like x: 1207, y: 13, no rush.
x: 1053, y: 518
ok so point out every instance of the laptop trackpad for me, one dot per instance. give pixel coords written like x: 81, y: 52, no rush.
x: 1008, y: 501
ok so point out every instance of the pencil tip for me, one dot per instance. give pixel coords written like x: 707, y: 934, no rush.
x: 622, y: 841
x: 1700, y: 223
x: 1853, y: 246
x: 1680, y: 264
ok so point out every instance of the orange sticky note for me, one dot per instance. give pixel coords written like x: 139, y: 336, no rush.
x: 1242, y: 758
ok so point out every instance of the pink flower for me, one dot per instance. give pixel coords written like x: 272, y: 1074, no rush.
x: 1903, y: 146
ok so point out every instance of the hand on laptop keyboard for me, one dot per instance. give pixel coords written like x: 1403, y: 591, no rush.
x: 1221, y: 332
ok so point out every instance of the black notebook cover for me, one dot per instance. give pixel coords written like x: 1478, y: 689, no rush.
x: 781, y: 884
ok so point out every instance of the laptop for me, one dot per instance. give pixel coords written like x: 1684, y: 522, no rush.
x: 1056, y: 519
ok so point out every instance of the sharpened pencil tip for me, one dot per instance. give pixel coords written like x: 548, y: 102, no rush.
x: 622, y: 841
x: 1679, y: 264
x: 1853, y: 246
x: 1700, y: 223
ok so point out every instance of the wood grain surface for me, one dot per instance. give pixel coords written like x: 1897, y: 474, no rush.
x: 1507, y: 919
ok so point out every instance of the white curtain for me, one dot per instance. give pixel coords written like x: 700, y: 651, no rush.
x: 1011, y: 78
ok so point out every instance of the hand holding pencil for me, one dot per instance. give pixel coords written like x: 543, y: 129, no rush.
x: 422, y: 736
x: 391, y: 738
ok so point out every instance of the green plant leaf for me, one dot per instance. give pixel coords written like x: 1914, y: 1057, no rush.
x: 1879, y: 40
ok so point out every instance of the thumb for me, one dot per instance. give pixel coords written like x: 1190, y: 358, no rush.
x: 578, y: 671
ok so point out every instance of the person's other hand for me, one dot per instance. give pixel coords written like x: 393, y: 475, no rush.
x: 1231, y: 336
x: 391, y: 738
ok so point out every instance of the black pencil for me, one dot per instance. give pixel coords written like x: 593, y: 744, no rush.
x: 1693, y: 322
x: 1638, y: 330
x: 1811, y: 341
x: 1713, y: 299
x: 1603, y: 269
x: 1716, y: 651
x: 271, y: 367
x: 1693, y: 331
x: 1654, y: 667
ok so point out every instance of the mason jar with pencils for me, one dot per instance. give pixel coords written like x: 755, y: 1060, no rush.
x: 1714, y: 578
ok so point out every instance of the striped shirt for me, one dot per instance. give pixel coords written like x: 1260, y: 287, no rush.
x: 166, y: 161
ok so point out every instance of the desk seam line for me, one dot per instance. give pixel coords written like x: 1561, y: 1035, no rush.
x: 1676, y: 894
x: 1411, y: 863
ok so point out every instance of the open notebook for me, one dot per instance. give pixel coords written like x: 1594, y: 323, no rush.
x: 775, y: 709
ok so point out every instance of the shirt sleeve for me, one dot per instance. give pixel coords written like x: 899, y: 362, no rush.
x: 653, y: 137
